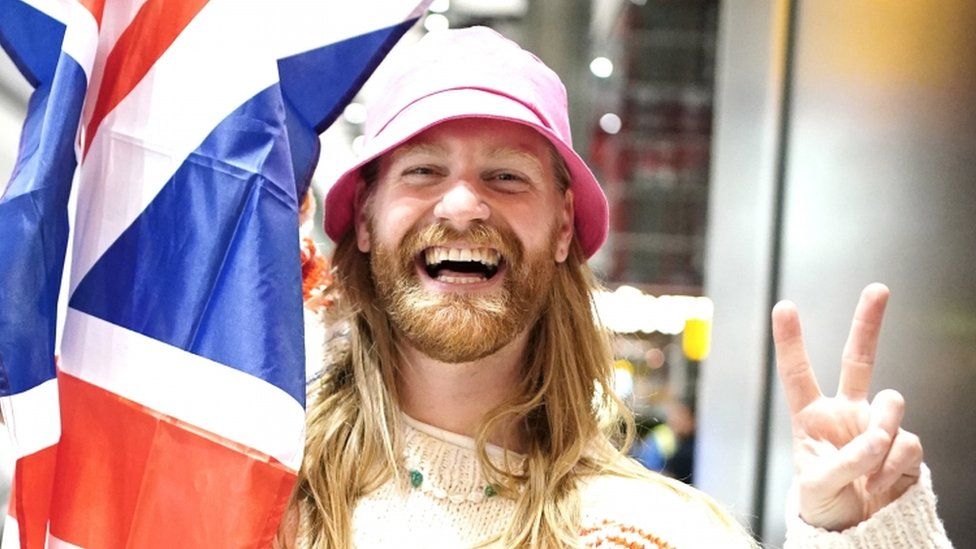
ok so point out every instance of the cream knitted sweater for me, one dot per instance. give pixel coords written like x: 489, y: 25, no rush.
x: 444, y: 501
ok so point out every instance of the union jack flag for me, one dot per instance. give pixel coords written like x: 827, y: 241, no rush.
x: 175, y: 414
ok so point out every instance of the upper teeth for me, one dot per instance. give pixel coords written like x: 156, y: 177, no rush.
x: 486, y: 256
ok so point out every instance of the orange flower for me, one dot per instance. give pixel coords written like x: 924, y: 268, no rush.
x: 316, y: 277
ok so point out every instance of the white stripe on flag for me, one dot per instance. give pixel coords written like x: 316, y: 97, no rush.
x: 11, y: 534
x: 213, y: 67
x: 32, y: 418
x: 81, y: 36
x: 81, y: 32
x: 207, y: 394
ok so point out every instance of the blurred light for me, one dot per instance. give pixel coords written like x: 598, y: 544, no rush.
x: 490, y: 9
x: 357, y: 144
x: 436, y: 22
x: 639, y: 2
x: 355, y: 113
x: 601, y: 67
x: 627, y: 310
x: 610, y: 123
x: 654, y: 358
x: 696, y: 341
x: 623, y: 378
x: 440, y: 6
x: 672, y: 319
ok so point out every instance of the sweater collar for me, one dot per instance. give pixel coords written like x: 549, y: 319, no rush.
x: 455, y: 439
x: 445, y: 464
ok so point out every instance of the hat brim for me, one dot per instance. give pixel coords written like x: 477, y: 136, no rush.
x: 591, y: 221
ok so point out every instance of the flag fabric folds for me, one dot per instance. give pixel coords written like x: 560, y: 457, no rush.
x: 174, y: 416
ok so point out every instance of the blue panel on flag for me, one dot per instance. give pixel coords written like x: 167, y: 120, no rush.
x: 34, y: 229
x: 32, y: 39
x: 305, y: 149
x: 321, y: 82
x: 212, y: 265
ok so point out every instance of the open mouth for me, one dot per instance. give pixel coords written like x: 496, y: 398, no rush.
x: 461, y: 265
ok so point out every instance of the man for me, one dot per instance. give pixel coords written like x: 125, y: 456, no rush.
x: 473, y: 402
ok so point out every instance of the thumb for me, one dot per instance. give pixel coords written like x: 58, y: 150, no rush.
x: 861, y: 456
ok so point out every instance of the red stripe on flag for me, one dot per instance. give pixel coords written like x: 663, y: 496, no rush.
x: 30, y: 495
x: 96, y: 7
x: 143, y: 42
x: 129, y: 476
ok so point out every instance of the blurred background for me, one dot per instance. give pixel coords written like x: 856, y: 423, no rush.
x: 755, y: 150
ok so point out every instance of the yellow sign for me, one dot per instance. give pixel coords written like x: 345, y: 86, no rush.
x: 697, y: 339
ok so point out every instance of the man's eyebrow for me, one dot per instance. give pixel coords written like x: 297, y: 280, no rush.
x: 509, y: 152
x: 417, y: 148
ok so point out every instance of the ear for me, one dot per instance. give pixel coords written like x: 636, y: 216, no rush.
x: 361, y: 217
x: 566, y: 228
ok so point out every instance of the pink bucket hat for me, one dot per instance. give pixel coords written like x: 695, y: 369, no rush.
x: 470, y: 73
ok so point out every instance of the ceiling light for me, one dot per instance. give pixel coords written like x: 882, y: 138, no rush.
x: 601, y: 67
x: 610, y: 123
x: 355, y: 113
x: 436, y: 22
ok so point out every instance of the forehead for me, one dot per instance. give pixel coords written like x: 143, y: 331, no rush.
x: 491, y: 137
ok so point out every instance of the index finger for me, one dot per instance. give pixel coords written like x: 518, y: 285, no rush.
x: 857, y: 364
x: 792, y: 362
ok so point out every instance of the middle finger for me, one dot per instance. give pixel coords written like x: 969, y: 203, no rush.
x: 862, y: 343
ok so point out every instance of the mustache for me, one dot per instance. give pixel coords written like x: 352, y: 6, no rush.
x: 478, y: 234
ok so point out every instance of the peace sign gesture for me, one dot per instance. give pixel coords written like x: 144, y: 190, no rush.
x: 850, y: 456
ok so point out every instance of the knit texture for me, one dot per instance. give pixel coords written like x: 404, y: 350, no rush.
x: 908, y: 522
x: 439, y: 499
x: 450, y: 506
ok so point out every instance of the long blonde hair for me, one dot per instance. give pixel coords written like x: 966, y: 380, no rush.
x: 574, y: 423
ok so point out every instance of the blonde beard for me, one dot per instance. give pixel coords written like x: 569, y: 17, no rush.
x: 461, y: 327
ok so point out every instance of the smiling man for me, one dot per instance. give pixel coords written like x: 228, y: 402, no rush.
x: 475, y: 222
x: 472, y: 404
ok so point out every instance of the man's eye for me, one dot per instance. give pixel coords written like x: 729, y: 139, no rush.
x: 509, y: 182
x: 419, y: 170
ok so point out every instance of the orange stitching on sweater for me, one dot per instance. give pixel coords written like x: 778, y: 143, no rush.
x: 620, y: 540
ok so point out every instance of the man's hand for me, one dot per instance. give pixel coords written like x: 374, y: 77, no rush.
x: 850, y: 456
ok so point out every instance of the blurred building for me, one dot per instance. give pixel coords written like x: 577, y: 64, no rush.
x: 651, y: 142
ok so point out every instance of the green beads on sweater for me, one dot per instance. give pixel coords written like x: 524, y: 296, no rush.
x: 416, y: 478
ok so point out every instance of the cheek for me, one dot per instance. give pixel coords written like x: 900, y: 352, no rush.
x: 395, y: 219
x: 535, y: 225
x: 535, y: 232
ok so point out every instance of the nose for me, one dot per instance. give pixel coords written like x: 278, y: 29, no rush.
x: 461, y: 204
